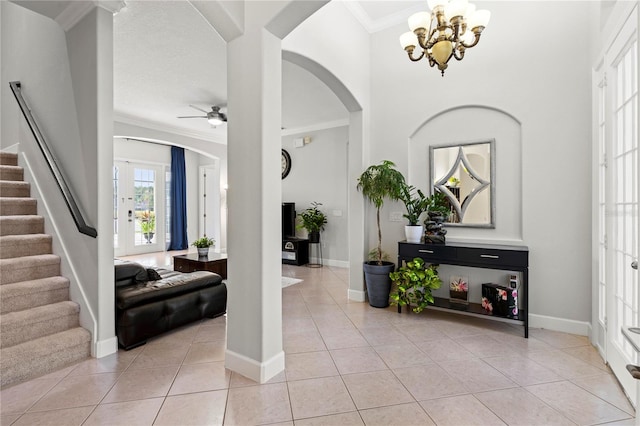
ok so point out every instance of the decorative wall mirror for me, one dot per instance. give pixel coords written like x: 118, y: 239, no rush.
x: 465, y: 173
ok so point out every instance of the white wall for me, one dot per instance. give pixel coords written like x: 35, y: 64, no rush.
x: 514, y: 70
x: 319, y: 173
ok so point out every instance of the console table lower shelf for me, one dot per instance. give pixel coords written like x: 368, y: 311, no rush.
x: 476, y: 255
x: 473, y: 309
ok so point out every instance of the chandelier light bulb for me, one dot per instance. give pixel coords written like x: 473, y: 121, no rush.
x: 419, y: 20
x: 408, y: 39
x: 479, y: 19
x: 456, y: 8
x: 471, y: 9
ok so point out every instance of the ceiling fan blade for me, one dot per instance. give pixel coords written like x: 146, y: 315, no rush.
x: 194, y: 116
x: 198, y: 108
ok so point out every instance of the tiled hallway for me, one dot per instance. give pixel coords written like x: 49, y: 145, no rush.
x: 346, y: 364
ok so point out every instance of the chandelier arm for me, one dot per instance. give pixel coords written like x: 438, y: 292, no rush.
x: 475, y: 41
x: 459, y: 50
x: 416, y: 59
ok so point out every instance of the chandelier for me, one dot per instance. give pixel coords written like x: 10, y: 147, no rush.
x: 447, y: 31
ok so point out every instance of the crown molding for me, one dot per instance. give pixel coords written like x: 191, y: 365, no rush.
x: 373, y: 26
x: 152, y: 125
x: 76, y: 10
x: 315, y: 127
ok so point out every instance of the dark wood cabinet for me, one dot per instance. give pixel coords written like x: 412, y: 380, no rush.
x: 295, y: 251
x: 490, y: 256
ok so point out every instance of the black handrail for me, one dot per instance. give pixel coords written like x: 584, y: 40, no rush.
x: 53, y: 166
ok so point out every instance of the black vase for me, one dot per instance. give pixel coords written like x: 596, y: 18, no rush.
x: 314, y: 237
x: 378, y: 282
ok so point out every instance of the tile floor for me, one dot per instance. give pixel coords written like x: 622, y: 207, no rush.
x: 346, y: 364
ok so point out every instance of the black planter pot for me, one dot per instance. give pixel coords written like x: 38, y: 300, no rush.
x: 378, y: 282
x: 314, y: 237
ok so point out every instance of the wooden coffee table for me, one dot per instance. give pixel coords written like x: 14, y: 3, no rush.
x: 215, y: 262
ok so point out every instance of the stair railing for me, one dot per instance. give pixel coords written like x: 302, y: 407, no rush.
x: 78, y: 218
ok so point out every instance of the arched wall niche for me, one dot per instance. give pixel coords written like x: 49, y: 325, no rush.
x: 469, y: 123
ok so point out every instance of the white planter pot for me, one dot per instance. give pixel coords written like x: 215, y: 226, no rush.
x: 413, y: 233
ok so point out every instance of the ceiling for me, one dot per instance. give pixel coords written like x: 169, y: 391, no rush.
x: 167, y: 57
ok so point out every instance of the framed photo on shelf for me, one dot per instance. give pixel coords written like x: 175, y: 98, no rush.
x: 459, y: 290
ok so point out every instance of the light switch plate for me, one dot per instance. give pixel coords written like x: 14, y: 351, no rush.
x: 395, y: 217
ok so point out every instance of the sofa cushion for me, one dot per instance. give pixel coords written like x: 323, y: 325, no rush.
x: 128, y: 273
x: 172, y: 284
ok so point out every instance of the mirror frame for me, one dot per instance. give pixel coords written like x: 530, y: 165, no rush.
x: 440, y: 184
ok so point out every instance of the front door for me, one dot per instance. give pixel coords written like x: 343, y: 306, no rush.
x: 619, y: 199
x: 138, y: 208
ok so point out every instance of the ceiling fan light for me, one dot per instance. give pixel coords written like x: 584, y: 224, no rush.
x: 214, y: 121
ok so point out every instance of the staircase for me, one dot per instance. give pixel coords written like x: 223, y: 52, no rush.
x: 39, y: 325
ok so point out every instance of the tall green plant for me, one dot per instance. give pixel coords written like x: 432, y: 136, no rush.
x: 378, y: 182
x: 415, y: 203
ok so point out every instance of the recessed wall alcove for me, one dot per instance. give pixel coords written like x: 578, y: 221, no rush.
x: 475, y: 123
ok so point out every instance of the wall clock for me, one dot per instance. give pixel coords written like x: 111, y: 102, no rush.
x: 286, y: 163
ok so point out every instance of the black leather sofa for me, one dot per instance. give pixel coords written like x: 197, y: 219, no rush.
x: 152, y: 301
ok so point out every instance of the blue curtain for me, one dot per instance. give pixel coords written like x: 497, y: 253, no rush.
x: 178, y: 201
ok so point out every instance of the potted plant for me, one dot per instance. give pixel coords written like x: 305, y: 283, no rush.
x: 416, y: 203
x: 203, y: 244
x: 378, y: 182
x: 414, y: 283
x: 438, y: 209
x: 313, y: 220
x: 147, y: 224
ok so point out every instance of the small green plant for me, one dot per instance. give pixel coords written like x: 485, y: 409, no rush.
x: 414, y: 283
x: 204, y: 242
x: 437, y: 203
x: 415, y: 203
x: 147, y: 222
x: 312, y: 219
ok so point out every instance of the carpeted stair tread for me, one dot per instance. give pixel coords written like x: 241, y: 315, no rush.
x: 29, y: 268
x: 21, y: 326
x: 40, y: 356
x: 30, y: 294
x: 21, y: 224
x: 11, y: 173
x: 24, y: 245
x: 12, y: 188
x: 8, y: 159
x: 18, y: 206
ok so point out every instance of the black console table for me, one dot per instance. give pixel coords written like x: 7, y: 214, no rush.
x: 488, y: 256
x: 295, y: 251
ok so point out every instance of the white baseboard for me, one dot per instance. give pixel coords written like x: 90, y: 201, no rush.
x: 260, y: 372
x: 357, y: 295
x: 102, y: 348
x: 581, y: 328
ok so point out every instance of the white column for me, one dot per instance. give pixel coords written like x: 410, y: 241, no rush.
x: 254, y: 304
x: 90, y: 49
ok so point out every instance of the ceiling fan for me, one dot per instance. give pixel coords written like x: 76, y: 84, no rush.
x: 214, y: 117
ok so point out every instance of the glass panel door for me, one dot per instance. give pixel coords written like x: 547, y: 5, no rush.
x: 138, y: 208
x: 622, y: 204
